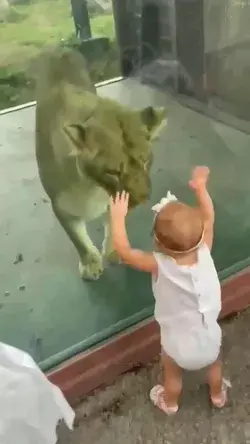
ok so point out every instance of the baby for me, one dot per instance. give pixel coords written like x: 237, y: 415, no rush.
x: 186, y: 289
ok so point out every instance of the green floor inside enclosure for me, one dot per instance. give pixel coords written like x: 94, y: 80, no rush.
x: 44, y: 306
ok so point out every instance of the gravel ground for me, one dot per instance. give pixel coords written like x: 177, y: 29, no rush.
x: 123, y: 413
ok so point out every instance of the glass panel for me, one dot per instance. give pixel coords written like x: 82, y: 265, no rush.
x: 227, y: 51
x: 186, y: 56
x: 27, y: 27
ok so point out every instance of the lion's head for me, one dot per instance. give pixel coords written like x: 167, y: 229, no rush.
x: 114, y: 145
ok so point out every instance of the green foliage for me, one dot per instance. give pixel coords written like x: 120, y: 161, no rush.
x: 14, y: 15
x: 15, y: 87
x: 33, y: 25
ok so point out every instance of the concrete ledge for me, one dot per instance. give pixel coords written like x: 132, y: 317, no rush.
x: 89, y: 370
x: 235, y: 293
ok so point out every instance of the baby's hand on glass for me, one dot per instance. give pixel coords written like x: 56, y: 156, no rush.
x: 119, y: 205
x: 199, y: 178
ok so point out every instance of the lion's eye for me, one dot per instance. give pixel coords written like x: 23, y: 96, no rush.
x: 113, y: 172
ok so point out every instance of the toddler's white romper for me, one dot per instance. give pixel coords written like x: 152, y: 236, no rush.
x: 187, y: 306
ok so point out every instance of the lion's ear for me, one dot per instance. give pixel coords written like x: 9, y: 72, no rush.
x: 147, y: 116
x: 76, y: 134
x: 154, y: 118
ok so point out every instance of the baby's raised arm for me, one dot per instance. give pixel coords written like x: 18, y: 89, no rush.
x: 199, y: 184
x: 138, y: 259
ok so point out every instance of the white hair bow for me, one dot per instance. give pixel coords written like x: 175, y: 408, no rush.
x: 164, y: 201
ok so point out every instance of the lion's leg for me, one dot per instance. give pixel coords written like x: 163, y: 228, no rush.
x: 108, y: 251
x: 90, y: 265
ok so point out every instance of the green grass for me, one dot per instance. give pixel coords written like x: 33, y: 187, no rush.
x: 28, y: 29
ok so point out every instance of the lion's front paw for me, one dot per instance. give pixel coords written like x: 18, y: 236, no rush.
x: 91, y: 269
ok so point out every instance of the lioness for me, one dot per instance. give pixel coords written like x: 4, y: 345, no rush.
x: 87, y: 148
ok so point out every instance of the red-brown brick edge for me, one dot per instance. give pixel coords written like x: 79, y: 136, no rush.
x: 89, y: 370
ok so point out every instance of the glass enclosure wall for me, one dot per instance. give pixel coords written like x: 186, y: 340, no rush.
x: 227, y: 55
x: 183, y: 55
x: 29, y: 26
x: 198, y: 50
x: 155, y: 38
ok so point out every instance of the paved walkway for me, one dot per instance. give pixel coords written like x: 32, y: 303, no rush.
x: 123, y: 414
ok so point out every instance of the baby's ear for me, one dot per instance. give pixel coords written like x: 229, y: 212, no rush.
x: 154, y: 118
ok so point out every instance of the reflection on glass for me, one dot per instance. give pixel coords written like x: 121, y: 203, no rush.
x: 29, y: 26
x: 200, y: 51
x: 227, y: 50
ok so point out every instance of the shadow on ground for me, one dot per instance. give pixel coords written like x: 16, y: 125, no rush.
x: 123, y: 413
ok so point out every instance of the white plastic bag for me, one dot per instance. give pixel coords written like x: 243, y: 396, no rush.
x: 30, y: 406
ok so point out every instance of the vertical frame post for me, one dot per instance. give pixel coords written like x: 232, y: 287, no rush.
x: 190, y: 47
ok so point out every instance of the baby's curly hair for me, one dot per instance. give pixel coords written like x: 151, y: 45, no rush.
x: 178, y: 228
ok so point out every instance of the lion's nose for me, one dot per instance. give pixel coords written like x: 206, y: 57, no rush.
x: 139, y: 198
